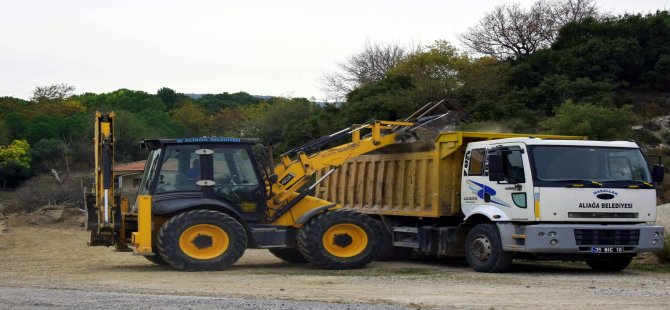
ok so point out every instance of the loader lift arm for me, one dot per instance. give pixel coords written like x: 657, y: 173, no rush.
x: 299, y: 164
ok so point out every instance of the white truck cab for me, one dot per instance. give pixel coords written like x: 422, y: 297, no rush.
x: 564, y: 196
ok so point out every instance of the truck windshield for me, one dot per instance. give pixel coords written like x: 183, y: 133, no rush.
x: 597, y: 164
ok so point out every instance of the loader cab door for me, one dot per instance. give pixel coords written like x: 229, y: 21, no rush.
x: 236, y: 178
x: 179, y: 169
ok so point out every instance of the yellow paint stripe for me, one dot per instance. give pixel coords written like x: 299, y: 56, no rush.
x: 537, y: 209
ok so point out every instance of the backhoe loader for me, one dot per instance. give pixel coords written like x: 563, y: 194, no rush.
x: 202, y: 201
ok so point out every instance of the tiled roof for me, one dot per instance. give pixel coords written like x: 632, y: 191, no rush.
x: 132, y: 166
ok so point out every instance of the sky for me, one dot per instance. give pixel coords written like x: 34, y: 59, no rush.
x: 275, y: 48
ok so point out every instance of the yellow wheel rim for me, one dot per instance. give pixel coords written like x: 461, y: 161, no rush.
x: 345, y: 240
x: 204, y: 241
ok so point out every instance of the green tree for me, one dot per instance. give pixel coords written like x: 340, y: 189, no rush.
x: 14, y: 162
x: 285, y: 123
x: 48, y: 154
x: 419, y: 78
x: 122, y: 99
x: 597, y: 122
x: 215, y: 102
x: 194, y: 118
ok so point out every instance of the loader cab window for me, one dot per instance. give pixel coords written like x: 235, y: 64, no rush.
x: 235, y: 179
x: 149, y: 172
x: 180, y: 169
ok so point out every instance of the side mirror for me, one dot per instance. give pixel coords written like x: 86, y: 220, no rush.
x: 496, y: 167
x: 658, y: 173
x: 273, y: 178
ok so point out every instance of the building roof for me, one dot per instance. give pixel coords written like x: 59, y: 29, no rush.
x: 136, y: 166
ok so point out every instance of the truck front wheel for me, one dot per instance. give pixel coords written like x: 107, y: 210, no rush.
x: 201, y: 240
x: 613, y: 263
x: 340, y: 239
x: 483, y: 249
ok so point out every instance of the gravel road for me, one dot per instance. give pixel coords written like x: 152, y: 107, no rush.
x: 50, y: 266
x: 35, y: 298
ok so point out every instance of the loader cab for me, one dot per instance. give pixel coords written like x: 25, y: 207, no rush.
x: 208, y: 172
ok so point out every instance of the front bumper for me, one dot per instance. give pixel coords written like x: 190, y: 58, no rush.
x: 580, y: 238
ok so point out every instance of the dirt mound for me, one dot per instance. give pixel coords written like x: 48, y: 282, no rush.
x: 51, y: 215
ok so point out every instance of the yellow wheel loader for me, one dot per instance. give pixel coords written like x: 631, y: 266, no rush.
x: 203, y: 201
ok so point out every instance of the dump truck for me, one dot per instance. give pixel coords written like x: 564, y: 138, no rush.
x: 203, y: 200
x: 493, y: 197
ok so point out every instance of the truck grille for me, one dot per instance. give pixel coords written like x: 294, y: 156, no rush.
x: 607, y: 236
x: 602, y: 215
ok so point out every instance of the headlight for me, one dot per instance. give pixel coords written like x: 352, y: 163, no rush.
x: 655, y: 242
x: 553, y: 241
x: 551, y: 234
x: 656, y: 234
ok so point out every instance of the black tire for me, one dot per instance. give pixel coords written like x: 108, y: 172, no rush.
x: 389, y: 252
x: 156, y: 259
x: 289, y: 255
x: 612, y: 263
x: 311, y: 240
x: 483, y: 249
x: 169, y: 235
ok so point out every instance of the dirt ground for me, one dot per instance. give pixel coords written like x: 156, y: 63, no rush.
x: 55, y: 257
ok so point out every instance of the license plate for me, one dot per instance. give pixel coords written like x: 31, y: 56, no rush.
x: 606, y: 249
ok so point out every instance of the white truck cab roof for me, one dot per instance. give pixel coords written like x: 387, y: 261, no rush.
x: 538, y: 141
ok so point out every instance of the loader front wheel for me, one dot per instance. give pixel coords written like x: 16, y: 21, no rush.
x: 340, y: 239
x: 201, y: 240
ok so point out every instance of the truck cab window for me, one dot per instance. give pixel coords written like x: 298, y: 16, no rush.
x: 476, y: 162
x: 514, y: 165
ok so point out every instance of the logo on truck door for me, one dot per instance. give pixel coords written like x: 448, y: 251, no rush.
x: 482, y: 191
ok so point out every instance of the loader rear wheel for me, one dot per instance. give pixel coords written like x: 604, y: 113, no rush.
x: 201, y: 240
x: 289, y: 255
x: 156, y: 259
x: 340, y: 239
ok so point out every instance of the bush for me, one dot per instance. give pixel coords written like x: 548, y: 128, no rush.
x: 597, y: 122
x: 664, y: 256
x: 43, y: 190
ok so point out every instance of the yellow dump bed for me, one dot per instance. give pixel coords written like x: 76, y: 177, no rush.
x: 412, y: 179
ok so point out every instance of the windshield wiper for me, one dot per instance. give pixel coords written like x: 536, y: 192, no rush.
x: 636, y: 183
x: 581, y: 182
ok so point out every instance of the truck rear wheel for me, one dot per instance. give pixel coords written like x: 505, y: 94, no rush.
x: 483, y: 249
x: 613, y: 263
x: 340, y: 239
x: 289, y: 255
x: 388, y: 252
x: 201, y: 240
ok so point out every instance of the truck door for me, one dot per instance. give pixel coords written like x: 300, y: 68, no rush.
x: 513, y: 196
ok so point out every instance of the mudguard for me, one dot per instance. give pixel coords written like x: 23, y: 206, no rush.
x: 171, y: 206
x: 492, y: 213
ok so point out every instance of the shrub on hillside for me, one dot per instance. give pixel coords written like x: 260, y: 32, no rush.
x: 664, y: 256
x: 44, y: 190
